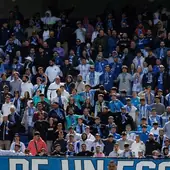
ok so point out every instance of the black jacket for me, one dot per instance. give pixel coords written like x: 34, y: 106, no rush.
x: 108, y: 147
x: 42, y: 127
x: 4, y: 133
x: 63, y: 144
x: 122, y: 126
x: 151, y: 145
x: 4, y: 35
x: 166, y: 82
x: 103, y: 131
x: 146, y: 78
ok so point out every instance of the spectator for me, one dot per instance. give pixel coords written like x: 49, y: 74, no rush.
x: 138, y: 146
x: 131, y: 109
x: 15, y: 119
x: 159, y: 107
x: 115, y: 105
x: 113, y: 131
x: 108, y: 144
x: 17, y: 141
x: 106, y: 79
x: 84, y: 152
x: 26, y: 86
x: 27, y: 120
x: 166, y: 128
x: 154, y: 117
x: 51, y: 93
x: 92, y: 77
x: 85, y: 141
x: 71, y: 119
x: 89, y: 135
x: 17, y: 102
x: 116, y: 151
x: 139, y: 59
x: 98, y: 153
x: 124, y: 79
x: 80, y: 32
x: 61, y: 100
x: 5, y: 134
x: 127, y: 153
x: 112, y: 166
x: 151, y: 145
x: 155, y: 130
x: 15, y: 84
x: 122, y: 141
x: 36, y: 144
x: 57, y: 152
x: 70, y: 151
x: 79, y: 85
x: 48, y: 19
x: 6, y: 106
x: 5, y: 93
x: 52, y: 71
x: 61, y: 142
x: 124, y: 119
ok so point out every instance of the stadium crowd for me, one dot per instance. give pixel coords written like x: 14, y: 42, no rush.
x: 101, y: 89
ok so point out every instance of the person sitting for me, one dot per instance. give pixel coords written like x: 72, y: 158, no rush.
x: 98, y: 153
x: 17, y: 141
x: 57, y: 151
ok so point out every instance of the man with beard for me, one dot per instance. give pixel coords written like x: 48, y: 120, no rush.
x: 26, y: 85
x: 52, y: 71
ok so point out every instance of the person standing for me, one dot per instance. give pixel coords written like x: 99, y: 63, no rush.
x: 80, y: 32
x: 5, y: 134
x: 52, y: 71
x: 124, y: 80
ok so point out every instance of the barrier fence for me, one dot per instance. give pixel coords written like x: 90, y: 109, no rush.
x: 75, y: 163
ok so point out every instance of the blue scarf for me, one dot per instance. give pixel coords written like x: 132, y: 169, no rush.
x: 106, y: 77
x: 17, y: 28
x: 59, y: 114
x: 71, y: 59
x: 169, y: 99
x: 73, y: 121
x: 124, y: 118
x: 109, y: 24
x: 78, y: 51
x: 130, y: 154
x: 92, y: 77
x: 34, y: 41
x: 17, y: 104
x: 60, y: 101
x: 31, y: 111
x: 161, y: 54
x: 78, y: 128
x: 160, y: 81
x: 9, y: 48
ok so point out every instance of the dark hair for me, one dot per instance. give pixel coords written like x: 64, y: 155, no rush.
x: 16, y: 92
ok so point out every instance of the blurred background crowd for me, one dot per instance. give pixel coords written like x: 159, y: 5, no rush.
x: 86, y: 88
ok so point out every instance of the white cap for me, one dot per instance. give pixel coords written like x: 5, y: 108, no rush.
x: 29, y: 58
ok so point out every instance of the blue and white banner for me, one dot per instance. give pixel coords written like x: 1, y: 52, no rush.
x: 53, y: 163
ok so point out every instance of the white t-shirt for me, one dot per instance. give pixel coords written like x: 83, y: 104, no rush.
x: 6, y: 108
x: 53, y: 72
x: 27, y: 86
x: 80, y: 34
